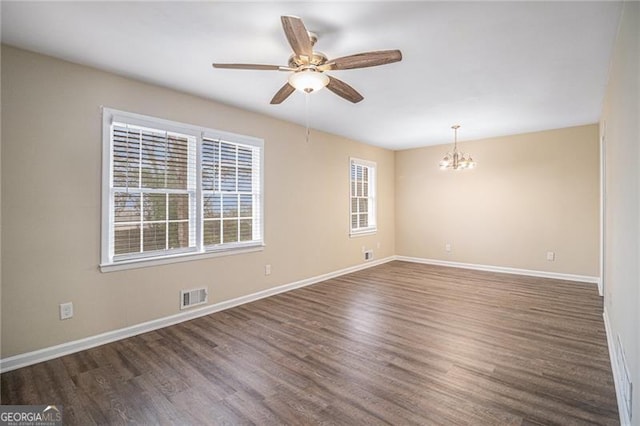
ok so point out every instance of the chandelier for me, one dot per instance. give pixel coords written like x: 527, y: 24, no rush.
x: 456, y: 160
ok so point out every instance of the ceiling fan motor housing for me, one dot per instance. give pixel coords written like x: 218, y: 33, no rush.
x: 317, y: 58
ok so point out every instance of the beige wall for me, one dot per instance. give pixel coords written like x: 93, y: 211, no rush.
x: 621, y: 132
x: 51, y: 176
x: 529, y: 194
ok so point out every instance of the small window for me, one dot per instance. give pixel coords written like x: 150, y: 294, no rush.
x: 363, y: 196
x: 172, y: 190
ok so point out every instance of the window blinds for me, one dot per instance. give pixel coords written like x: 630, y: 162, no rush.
x: 172, y: 189
x: 362, y: 206
x: 231, y: 192
x: 154, y: 191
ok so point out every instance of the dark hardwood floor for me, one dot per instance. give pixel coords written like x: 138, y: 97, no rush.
x: 400, y: 343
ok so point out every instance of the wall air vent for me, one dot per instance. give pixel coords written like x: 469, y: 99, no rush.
x: 624, y: 378
x: 189, y: 298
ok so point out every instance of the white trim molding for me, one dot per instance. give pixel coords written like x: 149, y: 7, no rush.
x: 502, y: 269
x: 45, y: 354
x: 617, y: 371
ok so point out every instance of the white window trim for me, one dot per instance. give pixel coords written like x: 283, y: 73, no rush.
x: 110, y: 115
x: 373, y: 215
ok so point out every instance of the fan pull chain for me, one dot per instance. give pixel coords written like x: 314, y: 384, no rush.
x: 306, y: 108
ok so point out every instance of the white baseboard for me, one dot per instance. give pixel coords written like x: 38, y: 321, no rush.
x: 502, y: 269
x: 45, y: 354
x: 616, y: 369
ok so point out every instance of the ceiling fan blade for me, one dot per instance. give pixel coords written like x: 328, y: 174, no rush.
x: 297, y: 35
x: 363, y: 60
x: 343, y: 90
x: 282, y: 94
x: 253, y: 67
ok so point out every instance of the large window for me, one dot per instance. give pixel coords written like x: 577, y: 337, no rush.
x: 363, y: 196
x: 171, y: 191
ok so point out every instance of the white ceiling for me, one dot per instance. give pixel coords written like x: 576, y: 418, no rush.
x: 496, y: 68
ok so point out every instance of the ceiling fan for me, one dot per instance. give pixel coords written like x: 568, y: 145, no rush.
x: 308, y: 66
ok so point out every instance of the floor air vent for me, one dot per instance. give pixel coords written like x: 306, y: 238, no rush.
x: 189, y: 298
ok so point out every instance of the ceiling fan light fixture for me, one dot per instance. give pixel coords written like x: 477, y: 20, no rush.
x: 308, y: 80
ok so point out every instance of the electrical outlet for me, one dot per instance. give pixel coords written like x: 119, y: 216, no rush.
x: 447, y: 247
x: 66, y: 310
x: 551, y: 256
x: 267, y: 269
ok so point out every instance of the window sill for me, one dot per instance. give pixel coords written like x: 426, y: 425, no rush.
x: 364, y: 232
x: 176, y: 258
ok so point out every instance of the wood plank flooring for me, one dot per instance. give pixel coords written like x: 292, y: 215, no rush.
x: 399, y: 343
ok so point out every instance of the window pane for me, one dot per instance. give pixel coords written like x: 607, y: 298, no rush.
x: 354, y: 221
x: 177, y: 162
x: 228, y: 179
x: 227, y: 154
x: 211, y: 232
x: 359, y: 173
x: 353, y: 189
x: 154, y: 236
x: 364, y: 205
x: 245, y: 157
x: 216, y: 166
x: 246, y: 232
x: 359, y: 189
x: 178, y: 235
x: 208, y: 176
x: 126, y: 239
x: 354, y: 205
x: 230, y: 231
x: 126, y: 157
x: 212, y: 206
x: 126, y: 207
x: 365, y: 173
x: 244, y: 180
x: 178, y: 206
x: 210, y: 165
x: 364, y: 220
x: 153, y: 160
x: 229, y: 206
x: 246, y: 205
x: 154, y: 206
x: 365, y: 189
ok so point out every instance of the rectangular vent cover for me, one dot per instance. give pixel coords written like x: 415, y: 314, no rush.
x: 627, y: 386
x: 189, y: 298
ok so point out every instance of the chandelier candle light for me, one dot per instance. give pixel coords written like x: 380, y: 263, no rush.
x: 456, y: 160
